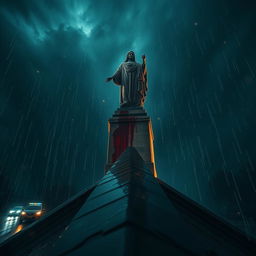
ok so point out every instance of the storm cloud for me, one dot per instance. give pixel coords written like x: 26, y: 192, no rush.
x: 54, y: 103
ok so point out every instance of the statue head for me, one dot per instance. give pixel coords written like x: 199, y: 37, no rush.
x: 130, y: 56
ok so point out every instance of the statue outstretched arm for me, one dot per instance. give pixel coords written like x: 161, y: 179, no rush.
x: 108, y: 79
x: 117, y: 77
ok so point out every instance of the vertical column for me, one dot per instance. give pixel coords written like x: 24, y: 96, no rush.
x: 131, y: 127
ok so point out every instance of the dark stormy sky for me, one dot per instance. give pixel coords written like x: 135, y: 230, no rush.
x: 54, y: 103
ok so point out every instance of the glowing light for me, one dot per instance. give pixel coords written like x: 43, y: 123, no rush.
x: 37, y: 204
x: 38, y: 213
x: 18, y: 229
x: 23, y: 213
x: 86, y: 29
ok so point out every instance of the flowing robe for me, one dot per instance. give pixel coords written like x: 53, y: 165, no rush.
x: 132, y: 78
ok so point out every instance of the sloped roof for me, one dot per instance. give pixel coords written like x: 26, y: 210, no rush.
x: 129, y: 212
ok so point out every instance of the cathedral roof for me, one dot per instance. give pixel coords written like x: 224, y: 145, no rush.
x: 130, y: 212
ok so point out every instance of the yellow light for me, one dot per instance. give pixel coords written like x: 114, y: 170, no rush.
x: 23, y: 213
x: 39, y: 213
x: 18, y: 229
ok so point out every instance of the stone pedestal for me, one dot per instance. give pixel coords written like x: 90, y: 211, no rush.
x: 131, y: 127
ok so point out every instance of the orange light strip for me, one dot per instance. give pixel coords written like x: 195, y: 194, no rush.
x: 152, y: 154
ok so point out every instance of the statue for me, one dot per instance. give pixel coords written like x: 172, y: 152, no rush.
x: 132, y: 79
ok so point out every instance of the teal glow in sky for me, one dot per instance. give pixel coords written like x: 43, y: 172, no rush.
x: 54, y: 103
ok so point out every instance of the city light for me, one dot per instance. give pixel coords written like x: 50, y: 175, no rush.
x: 38, y: 213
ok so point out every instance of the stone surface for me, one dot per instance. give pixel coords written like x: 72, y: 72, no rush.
x: 131, y: 127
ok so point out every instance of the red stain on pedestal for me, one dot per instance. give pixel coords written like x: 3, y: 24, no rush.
x: 123, y: 137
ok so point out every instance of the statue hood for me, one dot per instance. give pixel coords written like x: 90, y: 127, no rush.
x: 133, y: 59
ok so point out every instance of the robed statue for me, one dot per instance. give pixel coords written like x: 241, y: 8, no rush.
x: 132, y: 79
